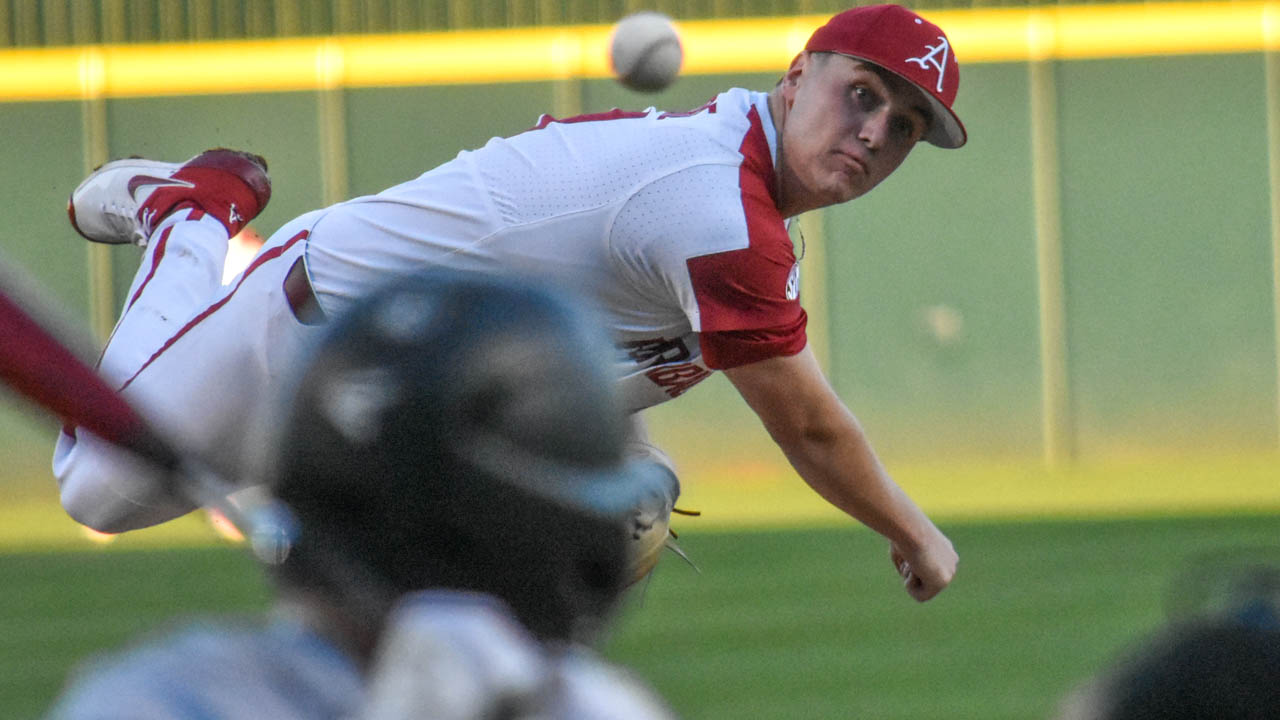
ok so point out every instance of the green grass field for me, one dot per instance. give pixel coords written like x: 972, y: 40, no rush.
x: 781, y: 623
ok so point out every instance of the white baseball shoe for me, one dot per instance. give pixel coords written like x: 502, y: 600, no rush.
x: 123, y: 201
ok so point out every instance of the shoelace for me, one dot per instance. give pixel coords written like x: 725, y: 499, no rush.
x: 670, y: 542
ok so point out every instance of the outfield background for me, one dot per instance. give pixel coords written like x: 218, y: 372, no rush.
x: 1074, y: 316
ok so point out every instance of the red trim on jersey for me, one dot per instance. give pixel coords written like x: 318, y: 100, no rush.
x: 619, y: 114
x: 614, y: 114
x: 741, y: 294
x: 157, y: 253
x: 156, y: 256
x: 258, y: 262
x: 710, y: 107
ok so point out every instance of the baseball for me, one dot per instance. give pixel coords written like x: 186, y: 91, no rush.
x: 645, y: 51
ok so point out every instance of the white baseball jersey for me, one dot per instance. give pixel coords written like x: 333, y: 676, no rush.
x: 446, y: 655
x: 218, y: 671
x: 451, y: 655
x: 666, y: 220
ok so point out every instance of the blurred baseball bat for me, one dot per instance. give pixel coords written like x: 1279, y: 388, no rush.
x: 42, y: 369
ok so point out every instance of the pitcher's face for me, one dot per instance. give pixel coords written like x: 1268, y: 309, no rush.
x: 847, y: 126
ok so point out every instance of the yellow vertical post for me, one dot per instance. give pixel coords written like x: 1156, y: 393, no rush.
x: 332, y: 108
x: 812, y: 254
x: 1057, y: 423
x: 566, y: 97
x: 566, y: 87
x: 93, y: 131
x: 1272, y: 78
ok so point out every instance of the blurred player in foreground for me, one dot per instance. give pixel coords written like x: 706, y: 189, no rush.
x: 459, y: 529
x: 1217, y: 659
x: 1199, y: 671
x: 674, y: 224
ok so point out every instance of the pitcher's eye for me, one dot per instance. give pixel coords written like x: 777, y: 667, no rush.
x: 865, y: 97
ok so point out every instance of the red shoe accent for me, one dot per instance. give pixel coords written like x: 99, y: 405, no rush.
x: 71, y: 213
x: 230, y: 185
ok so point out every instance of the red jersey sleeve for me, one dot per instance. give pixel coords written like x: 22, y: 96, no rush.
x: 748, y: 299
x: 733, y: 348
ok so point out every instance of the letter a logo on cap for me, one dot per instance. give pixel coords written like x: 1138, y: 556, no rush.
x: 931, y: 58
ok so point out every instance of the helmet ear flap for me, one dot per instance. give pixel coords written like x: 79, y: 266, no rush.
x: 566, y: 571
x: 596, y: 581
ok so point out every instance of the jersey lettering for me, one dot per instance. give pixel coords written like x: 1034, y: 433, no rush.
x: 676, y: 379
x: 659, y: 351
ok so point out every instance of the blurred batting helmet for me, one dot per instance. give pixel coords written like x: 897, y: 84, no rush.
x: 461, y: 431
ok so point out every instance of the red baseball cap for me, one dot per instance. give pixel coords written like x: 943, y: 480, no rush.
x: 907, y: 45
